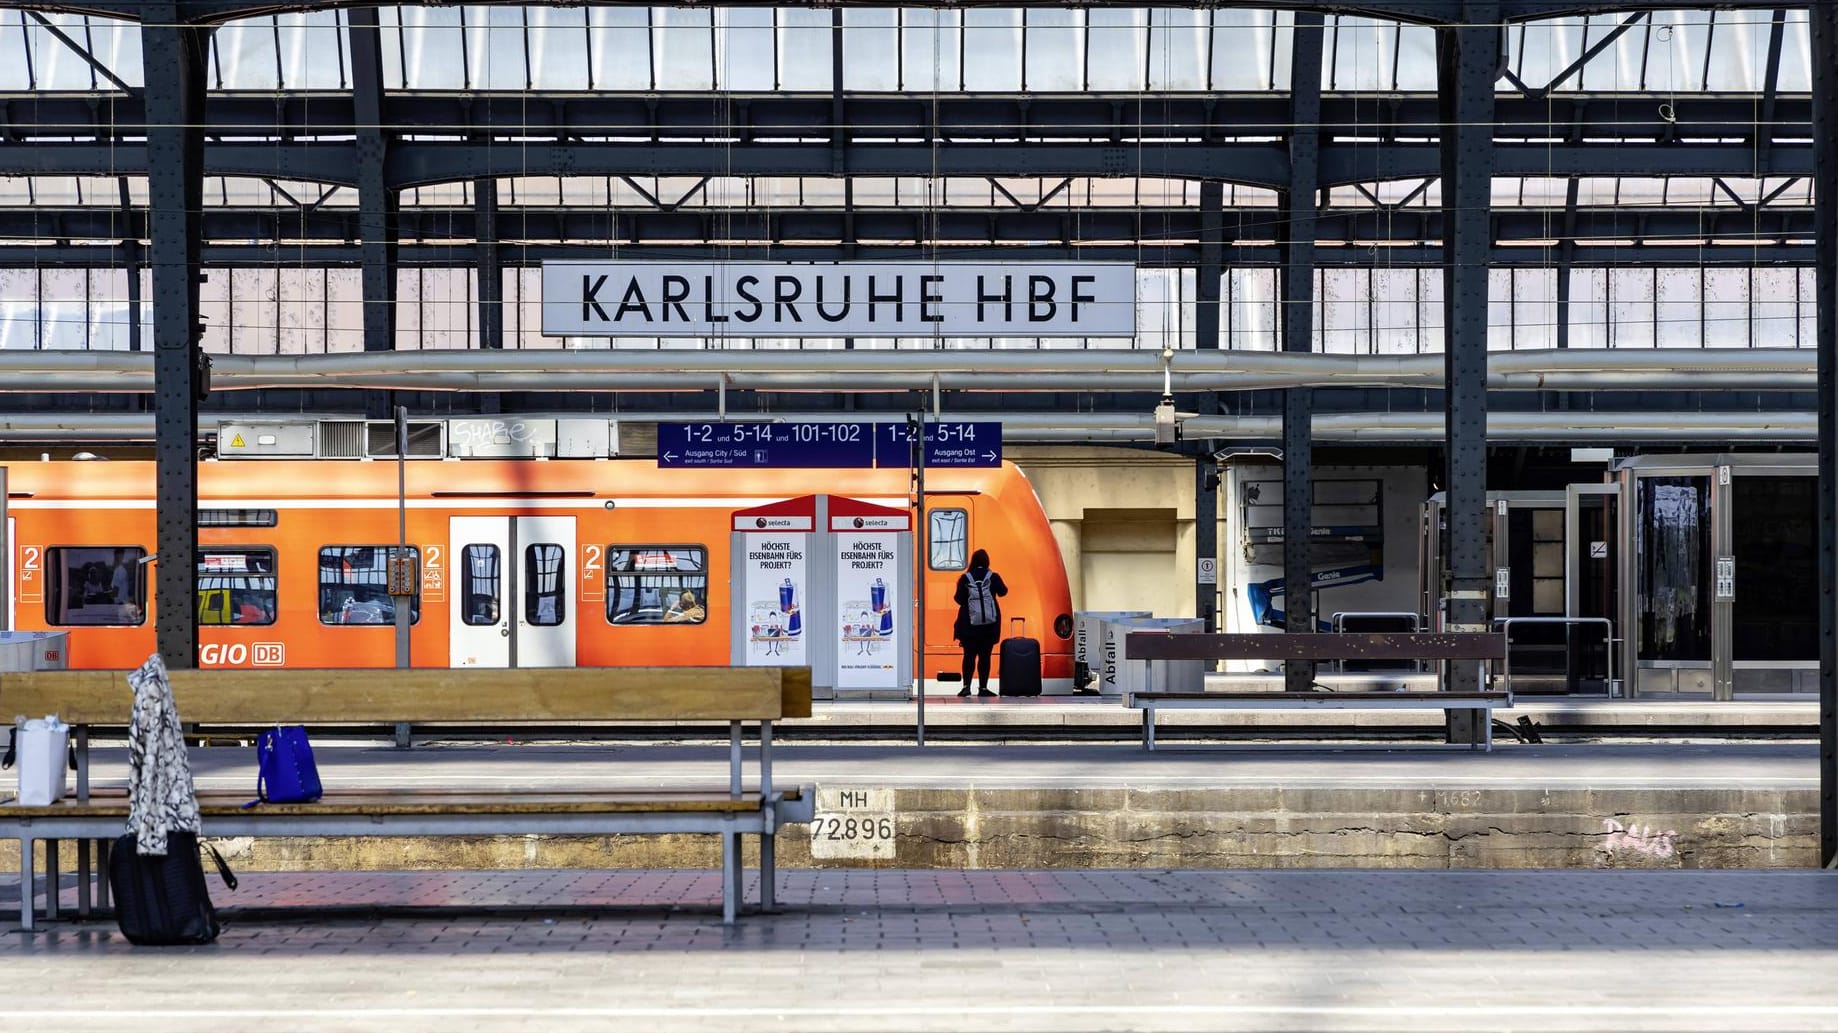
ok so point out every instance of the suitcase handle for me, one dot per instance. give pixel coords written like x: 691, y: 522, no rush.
x: 1012, y: 621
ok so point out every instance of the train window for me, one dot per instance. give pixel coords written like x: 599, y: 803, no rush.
x: 950, y: 538
x: 479, y: 587
x: 354, y: 585
x: 91, y: 586
x: 656, y: 584
x: 545, y: 596
x: 236, y: 586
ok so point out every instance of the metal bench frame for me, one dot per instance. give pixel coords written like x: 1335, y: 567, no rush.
x: 1153, y: 646
x: 760, y: 812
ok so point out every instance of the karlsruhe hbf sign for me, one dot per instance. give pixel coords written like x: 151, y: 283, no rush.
x: 856, y: 299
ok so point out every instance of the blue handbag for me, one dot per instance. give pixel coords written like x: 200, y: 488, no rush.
x: 285, y: 769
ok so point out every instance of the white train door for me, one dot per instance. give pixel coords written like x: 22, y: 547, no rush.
x: 510, y: 581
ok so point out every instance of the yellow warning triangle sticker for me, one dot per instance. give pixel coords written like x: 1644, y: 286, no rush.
x: 237, y: 442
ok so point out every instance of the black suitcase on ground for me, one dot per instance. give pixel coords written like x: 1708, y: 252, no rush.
x: 161, y: 901
x: 1020, y: 670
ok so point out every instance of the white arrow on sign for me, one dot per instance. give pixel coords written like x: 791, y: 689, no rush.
x: 669, y: 457
x: 991, y: 456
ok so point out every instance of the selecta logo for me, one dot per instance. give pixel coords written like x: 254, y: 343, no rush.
x: 238, y: 654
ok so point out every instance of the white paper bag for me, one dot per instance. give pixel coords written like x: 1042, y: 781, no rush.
x: 42, y: 767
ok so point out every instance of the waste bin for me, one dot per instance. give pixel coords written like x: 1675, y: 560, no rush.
x: 34, y: 650
x: 1087, y: 632
x: 1117, y: 675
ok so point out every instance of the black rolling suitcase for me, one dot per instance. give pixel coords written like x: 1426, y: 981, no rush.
x: 161, y: 900
x: 1020, y: 671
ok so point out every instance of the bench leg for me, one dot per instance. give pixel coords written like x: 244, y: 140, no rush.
x: 768, y: 872
x: 730, y: 876
x: 51, y: 893
x: 28, y: 887
x: 82, y: 878
x: 103, y: 847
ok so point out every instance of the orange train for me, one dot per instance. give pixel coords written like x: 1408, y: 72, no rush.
x: 522, y: 563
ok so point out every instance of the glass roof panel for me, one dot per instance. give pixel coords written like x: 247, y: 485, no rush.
x: 992, y: 50
x: 558, y: 48
x: 1796, y: 54
x: 1360, y: 54
x: 804, y: 50
x: 314, y: 51
x: 496, y: 55
x: 931, y: 49
x: 1056, y: 49
x: 116, y: 44
x: 683, y: 45
x: 620, y: 47
x: 15, y: 66
x: 244, y: 56
x: 871, y: 49
x: 55, y: 66
x: 1114, y: 52
x: 433, y: 52
x: 1178, y: 43
x: 1251, y: 50
x: 1679, y: 52
x: 746, y: 47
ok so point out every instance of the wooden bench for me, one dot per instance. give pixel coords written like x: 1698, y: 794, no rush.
x: 1158, y: 645
x: 485, y: 699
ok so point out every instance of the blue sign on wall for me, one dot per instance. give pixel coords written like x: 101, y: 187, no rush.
x: 947, y: 443
x: 765, y: 445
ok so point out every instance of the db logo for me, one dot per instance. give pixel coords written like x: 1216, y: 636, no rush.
x: 236, y: 654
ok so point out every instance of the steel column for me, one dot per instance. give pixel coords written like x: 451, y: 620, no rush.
x: 491, y: 271
x: 131, y: 261
x: 1825, y: 187
x: 1468, y: 61
x: 1206, y: 536
x: 1212, y: 264
x: 376, y: 202
x: 173, y: 55
x: 1298, y: 247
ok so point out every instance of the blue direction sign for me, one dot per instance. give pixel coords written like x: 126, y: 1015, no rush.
x: 947, y: 443
x: 765, y: 445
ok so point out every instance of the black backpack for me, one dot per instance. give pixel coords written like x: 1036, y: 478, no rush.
x: 160, y: 901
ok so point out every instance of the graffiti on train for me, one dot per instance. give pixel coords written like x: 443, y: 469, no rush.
x: 242, y: 654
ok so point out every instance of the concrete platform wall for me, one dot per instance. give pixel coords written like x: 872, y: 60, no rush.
x: 1286, y: 827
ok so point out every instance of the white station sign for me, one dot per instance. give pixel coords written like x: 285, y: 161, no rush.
x: 856, y: 299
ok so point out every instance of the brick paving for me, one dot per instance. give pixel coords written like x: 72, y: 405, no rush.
x: 939, y: 950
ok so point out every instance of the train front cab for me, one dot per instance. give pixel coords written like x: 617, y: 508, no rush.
x: 1023, y: 550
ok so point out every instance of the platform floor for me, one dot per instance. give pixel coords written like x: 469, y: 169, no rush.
x: 1020, y: 950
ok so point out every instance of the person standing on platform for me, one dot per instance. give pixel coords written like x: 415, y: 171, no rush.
x: 979, y: 619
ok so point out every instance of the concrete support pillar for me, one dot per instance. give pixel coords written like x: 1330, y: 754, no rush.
x: 1468, y: 61
x: 173, y: 56
x: 1298, y: 336
x: 1825, y: 233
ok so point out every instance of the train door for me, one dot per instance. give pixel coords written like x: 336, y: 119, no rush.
x: 948, y: 547
x: 1592, y: 582
x: 510, y: 582
x: 1666, y: 601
